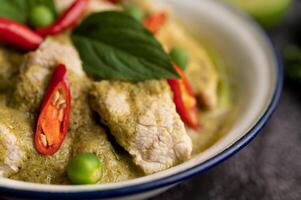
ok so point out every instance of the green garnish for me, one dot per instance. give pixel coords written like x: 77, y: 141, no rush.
x: 40, y: 16
x: 113, y: 45
x: 20, y: 10
x: 180, y: 57
x: 135, y: 11
x: 85, y: 168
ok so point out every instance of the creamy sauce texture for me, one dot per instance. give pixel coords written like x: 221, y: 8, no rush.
x: 101, y: 110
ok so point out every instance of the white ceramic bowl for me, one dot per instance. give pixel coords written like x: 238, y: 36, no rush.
x: 258, y: 73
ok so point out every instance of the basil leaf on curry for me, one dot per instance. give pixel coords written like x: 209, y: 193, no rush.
x: 113, y: 45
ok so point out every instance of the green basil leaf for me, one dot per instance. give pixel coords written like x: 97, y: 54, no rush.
x: 19, y: 10
x: 113, y: 45
x: 14, y: 9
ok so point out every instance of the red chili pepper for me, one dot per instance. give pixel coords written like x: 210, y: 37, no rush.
x: 69, y: 19
x: 114, y: 1
x: 184, y: 99
x: 53, y: 120
x: 18, y: 35
x: 154, y: 22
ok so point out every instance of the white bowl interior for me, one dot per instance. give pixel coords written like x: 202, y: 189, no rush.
x: 251, y: 59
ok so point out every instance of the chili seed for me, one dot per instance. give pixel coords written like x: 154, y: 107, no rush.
x: 62, y: 106
x: 60, y: 102
x: 44, y: 140
x: 56, y: 97
x: 61, y: 115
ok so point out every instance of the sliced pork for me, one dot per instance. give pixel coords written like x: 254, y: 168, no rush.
x: 143, y: 119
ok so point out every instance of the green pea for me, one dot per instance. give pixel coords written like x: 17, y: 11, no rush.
x: 135, y: 11
x: 41, y: 16
x: 180, y: 57
x: 85, y: 168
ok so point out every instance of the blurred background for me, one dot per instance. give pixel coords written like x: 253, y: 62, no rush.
x: 270, y: 167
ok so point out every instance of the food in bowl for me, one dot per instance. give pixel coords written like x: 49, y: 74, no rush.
x: 105, y: 93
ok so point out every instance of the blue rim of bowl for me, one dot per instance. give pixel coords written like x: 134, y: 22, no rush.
x: 184, y: 175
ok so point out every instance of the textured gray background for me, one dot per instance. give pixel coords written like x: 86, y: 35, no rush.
x: 270, y: 167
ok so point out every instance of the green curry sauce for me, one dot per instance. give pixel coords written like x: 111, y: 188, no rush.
x: 85, y: 133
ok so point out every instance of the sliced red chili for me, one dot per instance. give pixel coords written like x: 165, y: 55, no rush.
x: 67, y: 20
x: 154, y: 22
x: 184, y: 99
x: 54, y: 115
x: 17, y: 35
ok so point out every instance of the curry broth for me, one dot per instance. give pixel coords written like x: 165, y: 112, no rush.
x: 52, y: 169
x: 87, y: 133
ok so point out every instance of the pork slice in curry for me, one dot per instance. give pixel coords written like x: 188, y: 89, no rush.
x: 29, y: 90
x: 143, y: 119
x: 9, y: 62
x: 83, y: 134
x: 37, y: 69
x: 15, y: 140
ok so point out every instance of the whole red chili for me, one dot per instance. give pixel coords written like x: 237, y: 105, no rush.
x: 53, y: 121
x: 184, y: 99
x: 17, y: 35
x: 67, y: 20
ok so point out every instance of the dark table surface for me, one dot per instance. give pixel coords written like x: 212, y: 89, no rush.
x: 270, y: 167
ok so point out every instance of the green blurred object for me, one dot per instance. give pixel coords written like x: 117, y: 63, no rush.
x: 85, y: 168
x: 135, y: 11
x: 292, y: 57
x: 40, y: 16
x: 267, y: 12
x: 180, y: 57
